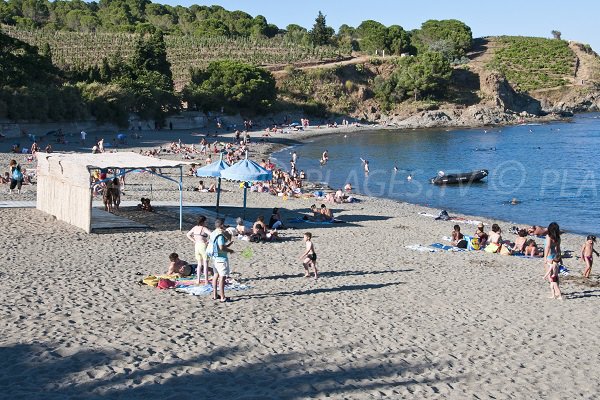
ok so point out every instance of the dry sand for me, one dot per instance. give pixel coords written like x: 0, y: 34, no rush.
x: 382, y: 321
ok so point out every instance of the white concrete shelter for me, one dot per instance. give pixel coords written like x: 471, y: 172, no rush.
x: 65, y: 187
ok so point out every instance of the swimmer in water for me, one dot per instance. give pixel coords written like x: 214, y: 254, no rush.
x: 409, y: 178
x: 324, y: 157
x: 395, y: 168
x: 366, y: 165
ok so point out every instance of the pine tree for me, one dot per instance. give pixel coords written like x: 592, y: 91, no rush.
x: 321, y: 33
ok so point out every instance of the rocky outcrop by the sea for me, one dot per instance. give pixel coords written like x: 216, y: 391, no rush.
x: 476, y: 115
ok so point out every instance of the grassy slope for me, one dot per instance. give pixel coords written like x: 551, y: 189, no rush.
x: 530, y: 63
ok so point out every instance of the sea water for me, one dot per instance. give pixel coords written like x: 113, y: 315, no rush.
x: 550, y: 169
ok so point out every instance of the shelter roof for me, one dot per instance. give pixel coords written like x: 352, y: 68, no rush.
x: 125, y: 159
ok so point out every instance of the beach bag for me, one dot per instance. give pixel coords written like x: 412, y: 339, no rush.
x: 17, y: 175
x: 212, y: 250
x: 165, y: 284
x: 472, y: 242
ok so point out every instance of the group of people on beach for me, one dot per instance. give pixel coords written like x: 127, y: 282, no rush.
x: 550, y: 253
x: 212, y: 248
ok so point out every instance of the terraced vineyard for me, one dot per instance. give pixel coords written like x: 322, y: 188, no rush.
x: 75, y: 48
x: 534, y: 63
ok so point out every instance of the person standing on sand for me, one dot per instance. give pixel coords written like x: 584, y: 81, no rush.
x: 220, y: 259
x: 309, y: 257
x: 199, y: 235
x: 16, y: 177
x: 552, y: 258
x: 587, y: 254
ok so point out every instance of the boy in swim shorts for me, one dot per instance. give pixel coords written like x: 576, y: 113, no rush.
x: 309, y: 256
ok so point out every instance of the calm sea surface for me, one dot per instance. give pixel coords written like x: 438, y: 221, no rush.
x: 551, y: 169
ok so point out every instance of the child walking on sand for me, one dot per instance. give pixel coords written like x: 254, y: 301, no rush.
x: 552, y: 258
x: 587, y: 253
x: 309, y: 257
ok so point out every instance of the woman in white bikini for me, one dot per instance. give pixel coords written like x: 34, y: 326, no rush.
x: 199, y: 235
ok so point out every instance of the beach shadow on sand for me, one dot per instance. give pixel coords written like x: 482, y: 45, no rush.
x: 40, y: 371
x: 341, y: 288
x: 331, y: 274
x: 582, y: 294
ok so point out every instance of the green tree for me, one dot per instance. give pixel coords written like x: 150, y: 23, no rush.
x: 35, y: 10
x: 372, y: 36
x: 211, y: 27
x: 424, y: 76
x: 232, y: 85
x: 321, y: 34
x: 434, y: 33
x: 150, y: 95
x: 398, y: 40
x: 151, y: 55
x: 296, y: 34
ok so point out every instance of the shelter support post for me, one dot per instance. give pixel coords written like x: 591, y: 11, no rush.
x: 180, y: 199
x: 218, y: 193
x: 245, y: 190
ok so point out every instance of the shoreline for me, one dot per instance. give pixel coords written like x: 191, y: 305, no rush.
x: 265, y: 147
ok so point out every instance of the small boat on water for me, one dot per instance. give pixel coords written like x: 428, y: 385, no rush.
x: 453, y: 179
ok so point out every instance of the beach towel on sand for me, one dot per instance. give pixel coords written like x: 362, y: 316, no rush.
x: 206, y: 289
x: 421, y: 248
x: 453, y: 219
x: 446, y: 248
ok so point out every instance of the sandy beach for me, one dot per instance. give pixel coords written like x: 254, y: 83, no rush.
x: 382, y: 321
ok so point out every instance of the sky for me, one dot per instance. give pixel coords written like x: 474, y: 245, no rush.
x: 575, y: 19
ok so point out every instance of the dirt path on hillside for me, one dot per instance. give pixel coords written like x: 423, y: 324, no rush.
x: 279, y: 70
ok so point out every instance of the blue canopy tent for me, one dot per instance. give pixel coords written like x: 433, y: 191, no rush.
x: 214, y: 170
x: 246, y: 171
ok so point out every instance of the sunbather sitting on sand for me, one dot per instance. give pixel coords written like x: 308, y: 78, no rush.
x: 240, y: 228
x: 326, y: 213
x: 458, y: 239
x: 178, y: 267
x: 495, y: 236
x: 483, y: 237
x: 260, y: 229
x: 531, y: 248
x: 275, y: 220
x: 316, y: 214
x: 330, y: 198
x: 520, y: 241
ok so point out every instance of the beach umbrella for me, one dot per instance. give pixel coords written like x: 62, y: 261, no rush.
x: 214, y: 170
x: 246, y: 171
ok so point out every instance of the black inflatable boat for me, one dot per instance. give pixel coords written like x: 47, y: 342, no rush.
x: 453, y: 179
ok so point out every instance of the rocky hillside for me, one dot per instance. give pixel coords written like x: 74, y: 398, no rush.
x: 507, y: 80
